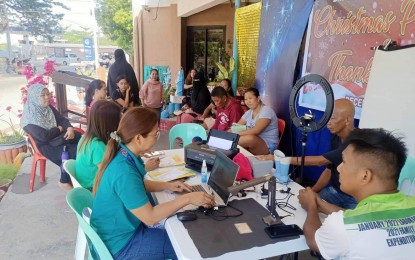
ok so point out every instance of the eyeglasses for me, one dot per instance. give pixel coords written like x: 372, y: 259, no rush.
x: 157, y: 135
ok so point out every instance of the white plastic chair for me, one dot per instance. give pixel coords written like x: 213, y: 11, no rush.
x: 81, y: 244
x: 69, y: 167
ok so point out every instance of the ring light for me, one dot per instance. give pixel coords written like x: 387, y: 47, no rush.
x: 306, y: 123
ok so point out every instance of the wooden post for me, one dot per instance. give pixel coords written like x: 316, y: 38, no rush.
x: 61, y: 99
x: 101, y: 73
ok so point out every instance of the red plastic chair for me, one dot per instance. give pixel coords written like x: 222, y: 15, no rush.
x: 37, y: 156
x: 281, y: 128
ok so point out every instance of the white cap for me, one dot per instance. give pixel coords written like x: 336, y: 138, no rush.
x: 204, y: 163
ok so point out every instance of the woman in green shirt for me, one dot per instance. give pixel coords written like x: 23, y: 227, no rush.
x: 103, y: 119
x: 121, y: 206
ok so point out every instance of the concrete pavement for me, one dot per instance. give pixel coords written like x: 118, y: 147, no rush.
x: 37, y: 225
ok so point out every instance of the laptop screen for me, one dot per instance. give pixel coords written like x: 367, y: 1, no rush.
x: 223, y: 175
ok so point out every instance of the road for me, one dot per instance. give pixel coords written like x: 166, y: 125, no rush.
x: 10, y: 96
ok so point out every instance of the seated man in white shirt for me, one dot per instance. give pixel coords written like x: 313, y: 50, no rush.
x: 382, y: 226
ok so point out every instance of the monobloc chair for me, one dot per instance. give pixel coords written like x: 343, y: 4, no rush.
x: 281, y: 128
x: 78, y: 199
x: 186, y: 131
x: 70, y: 167
x: 407, y: 177
x: 37, y: 156
x: 80, y: 247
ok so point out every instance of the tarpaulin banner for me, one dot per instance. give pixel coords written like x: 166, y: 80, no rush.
x: 340, y: 37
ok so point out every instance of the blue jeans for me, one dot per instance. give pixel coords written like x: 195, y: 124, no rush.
x: 331, y: 195
x: 147, y: 243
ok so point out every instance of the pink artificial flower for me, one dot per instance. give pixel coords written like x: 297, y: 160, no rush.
x: 19, y: 115
x: 24, y: 100
x: 28, y: 71
x: 37, y: 80
x: 49, y: 68
x: 8, y: 109
x: 19, y: 110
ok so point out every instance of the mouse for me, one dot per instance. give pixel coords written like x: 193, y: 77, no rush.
x: 186, y: 216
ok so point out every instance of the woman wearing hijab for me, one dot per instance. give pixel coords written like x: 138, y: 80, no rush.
x: 122, y: 67
x: 50, y: 130
x: 199, y: 100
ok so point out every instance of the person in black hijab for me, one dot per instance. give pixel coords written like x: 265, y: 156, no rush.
x: 200, y: 98
x: 122, y: 67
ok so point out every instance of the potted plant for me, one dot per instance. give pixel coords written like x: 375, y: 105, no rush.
x: 224, y: 73
x: 7, y: 174
x: 12, y: 140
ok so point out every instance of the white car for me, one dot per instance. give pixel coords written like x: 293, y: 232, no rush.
x: 67, y: 59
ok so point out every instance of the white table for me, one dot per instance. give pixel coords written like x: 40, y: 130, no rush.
x: 186, y: 249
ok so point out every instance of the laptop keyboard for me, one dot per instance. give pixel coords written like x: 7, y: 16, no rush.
x: 198, y: 188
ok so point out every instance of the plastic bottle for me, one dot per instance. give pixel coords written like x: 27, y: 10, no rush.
x: 204, y: 172
x: 65, y: 156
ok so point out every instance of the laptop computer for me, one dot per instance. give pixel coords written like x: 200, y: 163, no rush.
x: 222, y: 176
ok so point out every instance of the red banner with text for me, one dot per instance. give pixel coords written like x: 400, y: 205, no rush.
x: 340, y: 37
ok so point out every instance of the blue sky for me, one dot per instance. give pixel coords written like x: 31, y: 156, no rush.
x: 79, y: 15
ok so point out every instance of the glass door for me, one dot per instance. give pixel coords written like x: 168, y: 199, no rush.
x: 206, y: 46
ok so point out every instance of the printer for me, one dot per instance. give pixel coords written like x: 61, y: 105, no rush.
x: 196, y: 152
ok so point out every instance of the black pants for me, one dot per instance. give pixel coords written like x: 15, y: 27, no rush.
x: 54, y: 153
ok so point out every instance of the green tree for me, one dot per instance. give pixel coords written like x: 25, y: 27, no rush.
x: 115, y: 18
x: 35, y: 16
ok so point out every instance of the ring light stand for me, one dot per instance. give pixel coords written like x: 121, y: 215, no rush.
x: 307, y: 124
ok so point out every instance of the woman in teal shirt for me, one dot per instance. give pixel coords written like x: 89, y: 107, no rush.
x: 103, y: 119
x: 121, y: 206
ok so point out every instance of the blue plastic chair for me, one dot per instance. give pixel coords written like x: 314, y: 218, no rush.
x: 186, y: 131
x: 407, y: 177
x: 78, y: 199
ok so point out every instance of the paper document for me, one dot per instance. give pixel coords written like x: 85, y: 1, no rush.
x: 170, y: 174
x: 171, y: 160
x: 220, y: 143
